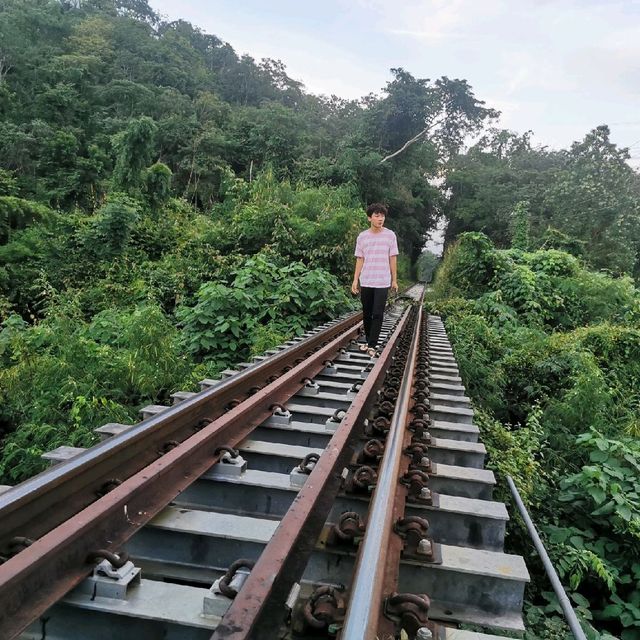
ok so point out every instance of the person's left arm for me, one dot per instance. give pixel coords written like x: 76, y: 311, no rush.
x: 393, y: 263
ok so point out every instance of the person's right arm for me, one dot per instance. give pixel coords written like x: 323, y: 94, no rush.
x: 355, y: 286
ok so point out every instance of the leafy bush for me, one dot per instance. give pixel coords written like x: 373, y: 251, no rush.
x: 16, y: 213
x: 467, y: 267
x: 515, y: 452
x: 97, y: 296
x: 288, y: 299
x: 112, y: 227
x: 63, y: 377
x: 316, y: 225
x: 600, y: 551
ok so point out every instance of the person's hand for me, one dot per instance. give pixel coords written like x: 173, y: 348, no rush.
x: 355, y: 289
x: 394, y: 286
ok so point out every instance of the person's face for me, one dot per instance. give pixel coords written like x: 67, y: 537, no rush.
x: 377, y: 220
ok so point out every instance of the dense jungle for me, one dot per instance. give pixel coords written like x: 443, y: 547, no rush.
x: 168, y: 208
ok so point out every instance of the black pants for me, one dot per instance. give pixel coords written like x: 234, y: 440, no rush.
x: 373, y: 302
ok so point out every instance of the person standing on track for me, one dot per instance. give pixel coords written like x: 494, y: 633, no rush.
x: 376, y: 271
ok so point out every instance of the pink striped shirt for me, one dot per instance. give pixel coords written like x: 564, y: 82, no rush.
x: 376, y: 249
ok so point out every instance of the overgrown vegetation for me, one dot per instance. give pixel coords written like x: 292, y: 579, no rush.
x: 550, y: 354
x: 584, y: 200
x: 168, y: 207
x: 128, y: 306
x: 97, y: 95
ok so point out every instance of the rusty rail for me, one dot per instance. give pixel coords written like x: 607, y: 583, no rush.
x: 257, y: 611
x: 41, y: 574
x: 35, y: 507
x: 378, y: 561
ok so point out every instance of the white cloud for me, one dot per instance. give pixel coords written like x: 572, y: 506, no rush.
x: 507, y: 108
x: 322, y: 66
x: 442, y: 22
x: 615, y: 71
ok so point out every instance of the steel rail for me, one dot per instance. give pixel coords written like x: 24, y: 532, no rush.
x: 40, y: 575
x: 366, y: 603
x: 563, y: 599
x: 258, y: 609
x: 38, y: 505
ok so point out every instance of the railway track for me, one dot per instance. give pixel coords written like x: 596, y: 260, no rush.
x: 313, y: 493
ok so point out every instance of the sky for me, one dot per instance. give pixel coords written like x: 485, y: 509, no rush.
x: 556, y: 67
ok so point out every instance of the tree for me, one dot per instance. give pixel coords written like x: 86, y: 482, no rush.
x: 134, y: 147
x: 443, y: 111
x: 520, y: 226
x: 595, y: 197
x: 588, y: 193
x: 485, y: 184
x: 268, y: 135
x: 157, y: 183
x: 426, y: 265
x: 111, y: 230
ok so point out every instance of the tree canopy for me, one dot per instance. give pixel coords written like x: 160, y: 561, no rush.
x: 588, y: 193
x: 92, y: 92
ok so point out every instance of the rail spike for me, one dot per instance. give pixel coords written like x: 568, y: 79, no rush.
x: 410, y: 610
x: 117, y: 560
x: 224, y: 584
x: 326, y: 606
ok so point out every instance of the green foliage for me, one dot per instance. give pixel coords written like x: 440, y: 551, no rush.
x: 555, y: 239
x: 467, y: 267
x: 8, y: 183
x: 268, y: 336
x: 485, y: 184
x: 550, y: 354
x: 262, y: 298
x: 517, y: 453
x: 413, y: 104
x: 317, y: 225
x: 520, y: 289
x: 64, y: 377
x: 16, y: 213
x: 548, y: 288
x: 133, y: 147
x: 478, y: 347
x: 583, y: 200
x: 595, y: 197
x: 111, y: 230
x: 611, y: 482
x: 547, y: 621
x: 119, y: 90
x: 100, y: 291
x: 157, y: 183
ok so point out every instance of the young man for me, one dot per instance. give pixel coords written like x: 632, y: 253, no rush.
x: 376, y: 271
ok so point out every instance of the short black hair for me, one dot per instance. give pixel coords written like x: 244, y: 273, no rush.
x: 376, y: 207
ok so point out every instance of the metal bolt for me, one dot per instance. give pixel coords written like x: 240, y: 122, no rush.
x: 424, y: 633
x: 425, y: 493
x: 293, y: 596
x: 424, y: 547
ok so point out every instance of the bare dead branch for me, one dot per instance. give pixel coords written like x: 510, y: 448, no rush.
x: 410, y: 142
x: 5, y: 67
